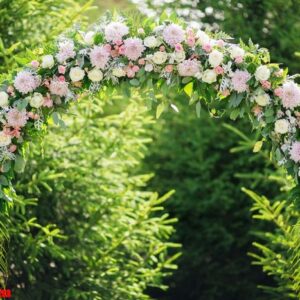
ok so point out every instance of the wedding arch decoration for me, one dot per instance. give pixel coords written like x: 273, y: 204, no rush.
x: 155, y: 55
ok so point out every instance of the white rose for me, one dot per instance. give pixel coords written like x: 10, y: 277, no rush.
x: 89, y: 38
x: 76, y: 74
x: 159, y: 57
x: 151, y: 42
x: 281, y: 126
x: 148, y: 67
x: 95, y: 75
x: 118, y: 72
x: 3, y: 99
x: 262, y: 73
x: 236, y: 51
x: 47, y: 61
x: 180, y: 56
x: 203, y: 38
x: 262, y: 99
x: 5, y: 139
x: 215, y: 58
x: 209, y: 76
x: 36, y: 100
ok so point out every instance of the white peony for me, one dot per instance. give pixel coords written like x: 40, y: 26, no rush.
x: 209, y: 76
x: 5, y: 139
x: 262, y: 73
x: 95, y: 75
x: 159, y: 57
x: 148, y: 67
x: 3, y: 99
x: 118, y: 72
x: 180, y: 56
x: 215, y: 58
x: 151, y: 41
x: 47, y: 62
x: 262, y: 99
x: 281, y: 126
x: 36, y: 100
x: 76, y: 74
x: 89, y: 37
x: 236, y: 51
x: 203, y: 38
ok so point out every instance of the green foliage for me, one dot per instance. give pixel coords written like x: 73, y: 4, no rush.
x: 193, y: 156
x: 30, y: 24
x: 278, y: 251
x: 110, y: 238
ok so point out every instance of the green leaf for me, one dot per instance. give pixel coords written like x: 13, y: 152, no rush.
x: 198, y: 109
x: 160, y: 109
x: 134, y: 82
x: 188, y: 89
x: 19, y: 164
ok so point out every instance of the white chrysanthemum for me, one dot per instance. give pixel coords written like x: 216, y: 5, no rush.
x: 236, y: 51
x: 262, y: 99
x: 5, y: 139
x: 159, y: 57
x: 173, y: 34
x: 3, y: 99
x: 202, y: 38
x: 215, y: 58
x: 47, y: 61
x: 89, y: 38
x: 281, y: 126
x: 151, y: 41
x: 115, y: 31
x: 76, y: 74
x: 118, y: 72
x: 95, y: 75
x: 209, y: 76
x: 262, y: 73
x: 36, y: 100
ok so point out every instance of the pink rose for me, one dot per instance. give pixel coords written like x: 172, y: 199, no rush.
x: 219, y: 70
x: 207, y: 48
x: 61, y: 69
x: 169, y: 68
x: 239, y: 59
x: 278, y: 92
x: 35, y: 64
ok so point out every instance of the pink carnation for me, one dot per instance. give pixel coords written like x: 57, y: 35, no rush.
x: 16, y: 118
x: 188, y: 68
x: 66, y: 51
x: 133, y: 48
x: 295, y: 152
x: 239, y: 81
x: 173, y: 34
x: 25, y: 82
x: 290, y: 95
x: 99, y: 57
x: 58, y: 87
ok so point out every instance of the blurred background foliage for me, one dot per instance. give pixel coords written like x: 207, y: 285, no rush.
x: 88, y: 224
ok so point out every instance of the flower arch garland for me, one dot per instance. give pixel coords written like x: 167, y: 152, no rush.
x: 236, y: 78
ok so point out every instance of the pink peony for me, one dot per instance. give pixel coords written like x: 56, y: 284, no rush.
x: 290, y: 95
x: 188, y: 68
x: 16, y: 118
x: 25, y: 82
x: 58, y: 87
x: 66, y: 51
x: 61, y: 69
x: 99, y: 57
x: 133, y: 48
x: 115, y: 31
x: 278, y: 92
x: 239, y: 81
x: 173, y: 34
x: 295, y: 152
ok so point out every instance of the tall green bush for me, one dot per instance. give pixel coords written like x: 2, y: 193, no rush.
x: 111, y: 243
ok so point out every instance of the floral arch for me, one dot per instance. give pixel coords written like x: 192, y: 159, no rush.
x: 208, y: 67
